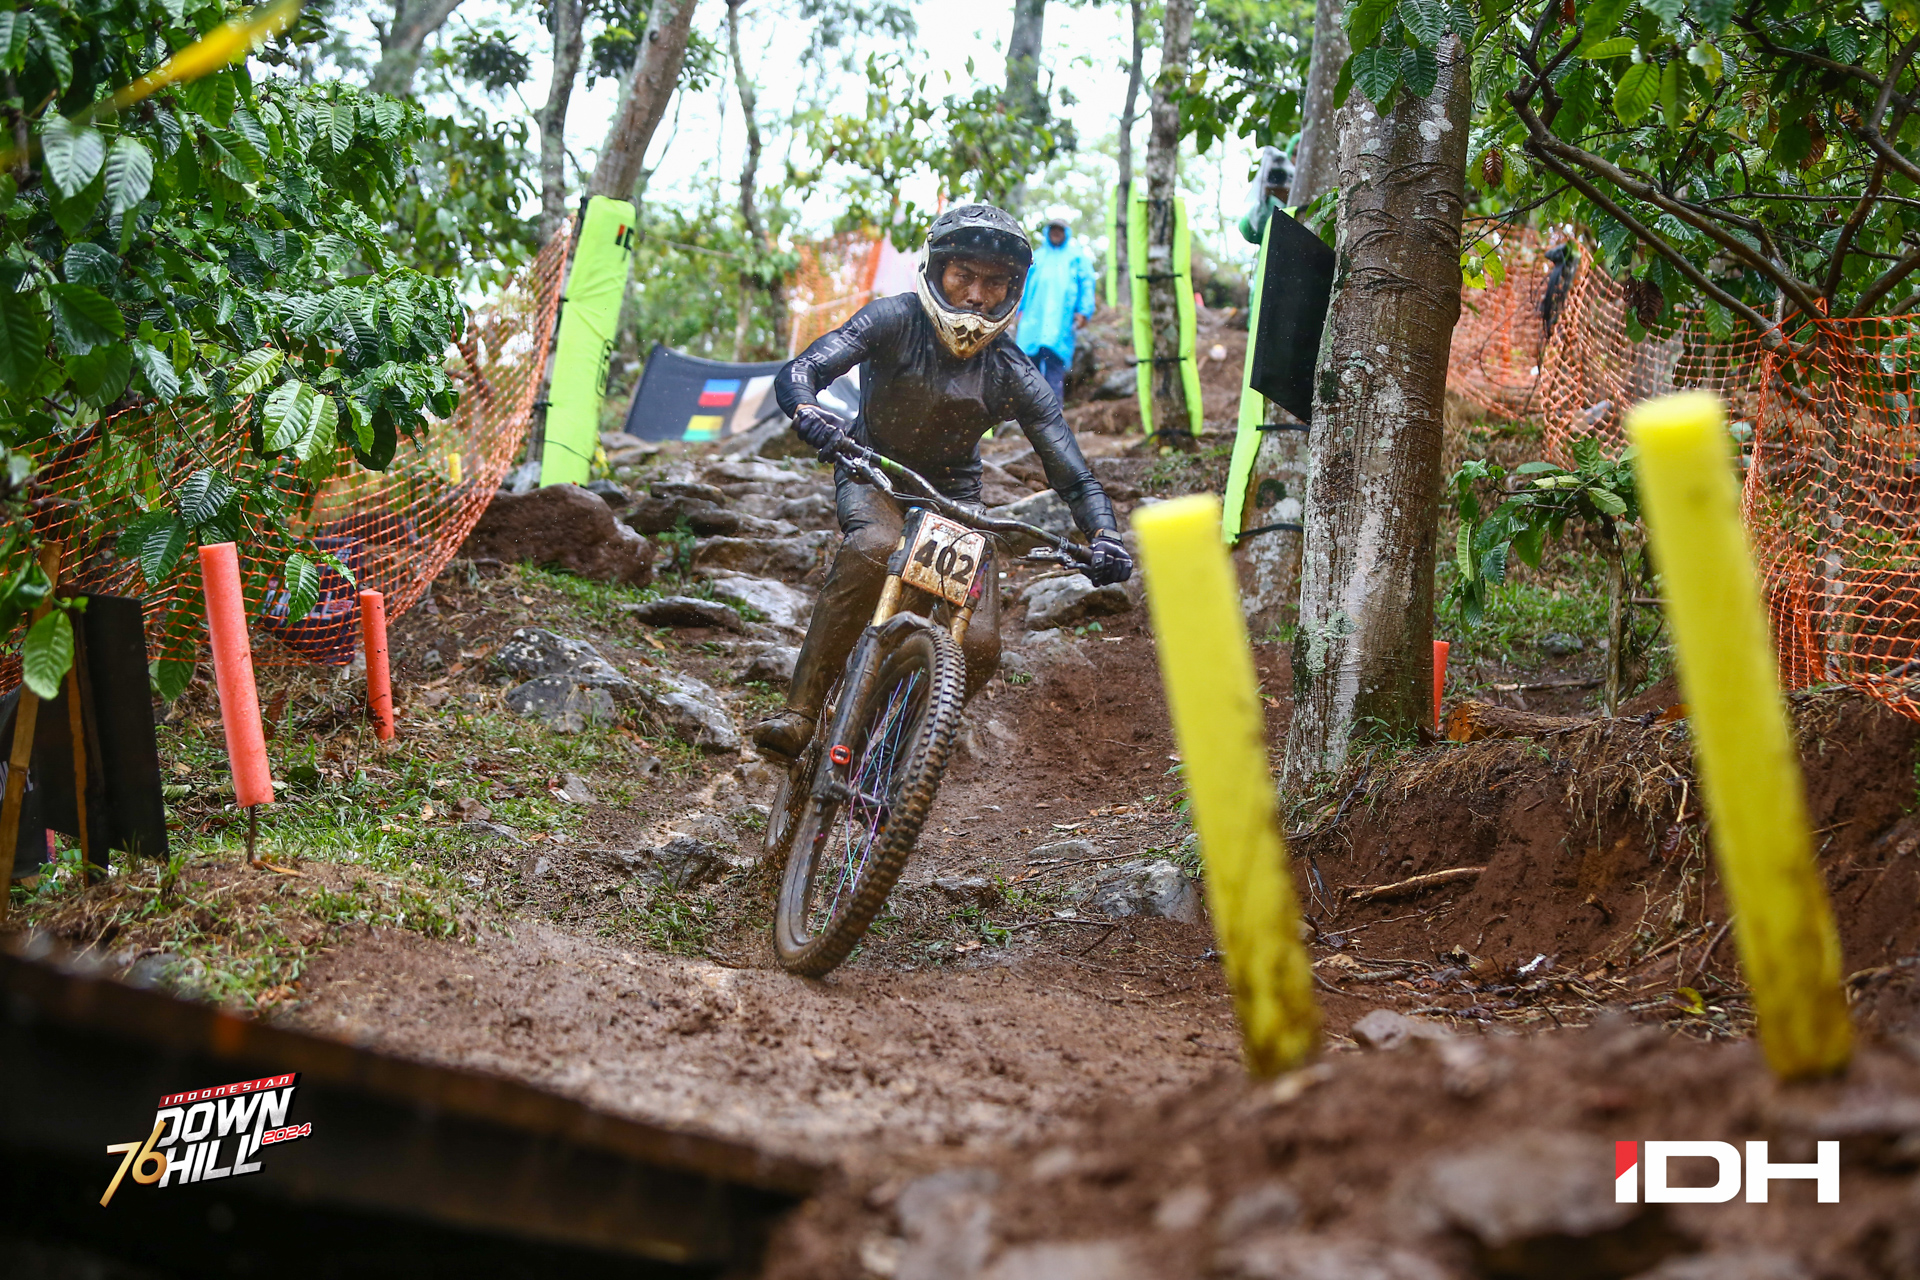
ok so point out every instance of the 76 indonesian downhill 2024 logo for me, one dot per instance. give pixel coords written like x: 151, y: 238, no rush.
x: 205, y: 1134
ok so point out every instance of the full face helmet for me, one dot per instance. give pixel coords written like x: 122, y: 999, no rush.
x: 977, y: 232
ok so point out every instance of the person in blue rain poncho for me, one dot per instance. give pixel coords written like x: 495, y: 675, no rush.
x: 1058, y: 300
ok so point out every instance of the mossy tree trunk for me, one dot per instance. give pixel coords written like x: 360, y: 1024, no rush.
x: 1363, y: 653
x: 1163, y: 170
x: 1316, y: 160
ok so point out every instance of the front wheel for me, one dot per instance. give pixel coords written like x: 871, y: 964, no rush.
x: 847, y: 850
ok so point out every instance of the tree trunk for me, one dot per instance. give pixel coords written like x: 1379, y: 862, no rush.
x: 656, y: 71
x: 776, y: 288
x: 1127, y: 118
x: 1170, y: 422
x: 1363, y: 654
x: 1316, y: 160
x: 568, y: 38
x: 1022, y: 95
x: 1023, y: 58
x: 413, y: 22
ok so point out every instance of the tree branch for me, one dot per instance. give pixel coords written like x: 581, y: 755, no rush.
x: 1542, y: 142
x: 1886, y: 283
x: 1847, y: 232
x: 1769, y: 332
x: 1815, y: 60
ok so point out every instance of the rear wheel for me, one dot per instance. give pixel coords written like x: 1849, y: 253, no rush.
x: 846, y: 852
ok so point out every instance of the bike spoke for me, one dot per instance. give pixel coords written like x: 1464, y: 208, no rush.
x: 856, y: 829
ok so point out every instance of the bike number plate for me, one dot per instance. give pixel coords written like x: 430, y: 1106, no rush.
x: 944, y: 557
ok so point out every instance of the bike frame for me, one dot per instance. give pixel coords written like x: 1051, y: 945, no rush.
x: 873, y: 469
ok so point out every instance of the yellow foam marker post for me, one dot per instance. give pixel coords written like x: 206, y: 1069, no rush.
x: 1207, y: 667
x: 1743, y: 750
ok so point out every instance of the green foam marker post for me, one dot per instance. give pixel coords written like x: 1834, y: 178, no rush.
x: 1137, y: 291
x: 590, y: 309
x: 1246, y: 437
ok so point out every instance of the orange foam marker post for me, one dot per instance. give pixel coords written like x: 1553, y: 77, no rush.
x: 373, y: 635
x: 1440, y: 648
x: 233, y: 675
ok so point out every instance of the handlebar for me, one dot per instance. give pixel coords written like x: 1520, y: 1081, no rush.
x: 874, y: 468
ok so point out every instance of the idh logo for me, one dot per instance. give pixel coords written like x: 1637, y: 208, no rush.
x: 207, y: 1134
x: 1756, y: 1169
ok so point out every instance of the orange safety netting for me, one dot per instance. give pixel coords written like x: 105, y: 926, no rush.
x: 394, y: 529
x: 1498, y: 342
x: 1832, y: 490
x: 834, y: 280
x: 1832, y: 501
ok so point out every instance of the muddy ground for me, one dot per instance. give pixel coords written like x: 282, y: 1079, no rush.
x: 1007, y: 1083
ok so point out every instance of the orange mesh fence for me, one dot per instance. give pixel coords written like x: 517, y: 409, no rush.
x: 1556, y: 345
x: 834, y: 280
x: 1832, y: 491
x: 1593, y: 371
x: 394, y: 529
x: 1500, y: 338
x: 1833, y: 502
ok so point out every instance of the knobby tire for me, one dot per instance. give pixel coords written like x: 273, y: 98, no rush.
x: 908, y: 761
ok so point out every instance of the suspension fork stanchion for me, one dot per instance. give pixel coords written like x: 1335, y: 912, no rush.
x: 964, y: 615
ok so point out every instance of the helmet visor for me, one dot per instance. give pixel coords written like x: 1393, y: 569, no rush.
x: 983, y: 284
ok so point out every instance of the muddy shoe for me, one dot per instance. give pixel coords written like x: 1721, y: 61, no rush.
x: 784, y: 734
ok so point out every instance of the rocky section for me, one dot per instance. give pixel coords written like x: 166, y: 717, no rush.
x: 565, y: 526
x: 567, y: 684
x: 1070, y: 600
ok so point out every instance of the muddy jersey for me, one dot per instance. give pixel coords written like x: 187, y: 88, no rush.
x: 925, y: 407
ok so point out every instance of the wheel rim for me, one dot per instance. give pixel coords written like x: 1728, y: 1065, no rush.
x: 848, y: 834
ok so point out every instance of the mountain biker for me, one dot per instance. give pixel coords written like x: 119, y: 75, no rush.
x: 939, y: 370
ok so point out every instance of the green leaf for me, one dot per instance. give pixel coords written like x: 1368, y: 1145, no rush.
x: 1493, y: 565
x: 54, y: 46
x: 1843, y: 43
x: 1363, y: 22
x: 1425, y: 20
x: 288, y: 415
x: 1375, y: 73
x: 1609, y: 502
x: 1420, y: 68
x: 72, y: 153
x: 204, y: 496
x: 73, y: 214
x: 14, y: 29
x: 340, y: 122
x: 1714, y: 15
x: 1636, y: 92
x: 1463, y: 552
x: 1618, y: 47
x: 1599, y: 18
x: 253, y: 371
x: 88, y: 263
x: 129, y: 174
x: 158, y: 370
x: 322, y: 434
x: 101, y: 374
x: 23, y: 340
x: 1668, y: 11
x: 47, y: 655
x: 1534, y: 468
x: 1528, y: 543
x: 157, y: 541
x: 1673, y: 90
x: 82, y: 318
x: 171, y: 676
x: 303, y: 586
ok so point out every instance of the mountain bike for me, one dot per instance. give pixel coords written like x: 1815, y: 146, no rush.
x: 851, y: 807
